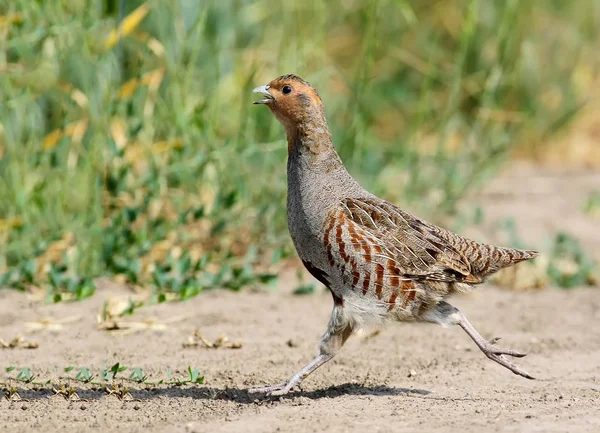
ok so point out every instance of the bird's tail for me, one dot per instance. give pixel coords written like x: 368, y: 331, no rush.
x: 492, y: 259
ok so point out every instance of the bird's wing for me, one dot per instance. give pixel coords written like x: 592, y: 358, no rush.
x: 419, y: 250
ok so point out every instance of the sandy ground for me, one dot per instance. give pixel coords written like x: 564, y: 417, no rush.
x: 410, y: 377
x: 453, y: 388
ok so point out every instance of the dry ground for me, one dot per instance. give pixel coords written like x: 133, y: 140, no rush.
x: 410, y: 377
x: 454, y: 388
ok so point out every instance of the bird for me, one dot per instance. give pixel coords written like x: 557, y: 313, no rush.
x: 380, y: 263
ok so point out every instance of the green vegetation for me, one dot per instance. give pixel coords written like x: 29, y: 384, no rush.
x: 138, y: 155
x: 570, y: 266
x: 107, y: 380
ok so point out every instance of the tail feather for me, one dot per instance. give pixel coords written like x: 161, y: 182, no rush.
x: 492, y: 259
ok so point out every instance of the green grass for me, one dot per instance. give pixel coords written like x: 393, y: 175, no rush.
x: 146, y: 159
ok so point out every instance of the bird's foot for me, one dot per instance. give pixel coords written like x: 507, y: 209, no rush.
x: 276, y: 390
x: 497, y: 354
x: 284, y: 387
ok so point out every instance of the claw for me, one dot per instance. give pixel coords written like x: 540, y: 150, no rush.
x: 494, y: 353
x: 267, y: 390
x: 495, y: 340
x: 294, y: 381
x: 499, y: 351
x: 497, y: 354
x: 275, y: 390
x: 506, y: 363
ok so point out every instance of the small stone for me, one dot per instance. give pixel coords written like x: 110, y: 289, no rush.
x: 292, y: 343
x: 412, y: 373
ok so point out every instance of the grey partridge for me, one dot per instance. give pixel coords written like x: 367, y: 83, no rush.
x: 380, y: 263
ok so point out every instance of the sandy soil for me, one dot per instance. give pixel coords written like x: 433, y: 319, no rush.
x: 410, y: 377
x: 453, y: 388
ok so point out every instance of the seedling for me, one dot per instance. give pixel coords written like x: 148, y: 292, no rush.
x: 120, y: 391
x: 12, y: 393
x: 112, y: 372
x: 25, y: 375
x: 84, y: 375
x: 138, y: 376
x: 67, y: 391
x: 195, y: 376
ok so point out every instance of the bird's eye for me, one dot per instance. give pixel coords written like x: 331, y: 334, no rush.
x: 286, y: 90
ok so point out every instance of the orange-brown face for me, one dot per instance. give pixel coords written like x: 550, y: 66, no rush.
x: 291, y: 99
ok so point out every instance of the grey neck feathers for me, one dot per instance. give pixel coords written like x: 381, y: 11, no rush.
x: 316, y: 174
x: 310, y: 145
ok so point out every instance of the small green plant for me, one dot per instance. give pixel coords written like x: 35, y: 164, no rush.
x: 138, y: 376
x: 112, y: 372
x: 109, y: 379
x: 24, y: 375
x: 569, y: 266
x: 83, y: 375
x: 194, y: 376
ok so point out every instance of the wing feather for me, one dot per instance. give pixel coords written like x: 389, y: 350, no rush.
x: 414, y: 245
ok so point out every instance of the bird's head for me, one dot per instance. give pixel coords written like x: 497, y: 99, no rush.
x: 292, y: 100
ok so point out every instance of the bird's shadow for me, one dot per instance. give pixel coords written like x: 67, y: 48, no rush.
x: 242, y: 396
x: 235, y: 395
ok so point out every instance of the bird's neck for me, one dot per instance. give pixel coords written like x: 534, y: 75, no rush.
x: 310, y: 143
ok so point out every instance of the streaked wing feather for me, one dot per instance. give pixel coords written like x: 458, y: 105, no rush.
x: 414, y: 246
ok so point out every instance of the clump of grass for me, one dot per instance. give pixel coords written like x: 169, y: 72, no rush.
x: 131, y: 144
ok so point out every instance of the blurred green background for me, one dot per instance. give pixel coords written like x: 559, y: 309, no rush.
x: 129, y: 147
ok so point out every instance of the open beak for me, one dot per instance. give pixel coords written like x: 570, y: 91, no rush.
x: 264, y: 91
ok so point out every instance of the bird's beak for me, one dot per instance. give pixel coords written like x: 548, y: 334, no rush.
x: 263, y: 90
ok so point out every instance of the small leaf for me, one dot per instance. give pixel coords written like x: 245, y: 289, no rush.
x: 51, y: 139
x: 137, y: 375
x: 25, y: 375
x: 128, y: 25
x: 84, y: 375
x: 194, y: 373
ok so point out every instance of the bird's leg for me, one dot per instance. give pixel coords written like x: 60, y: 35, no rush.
x: 337, y: 333
x: 294, y: 381
x: 446, y: 315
